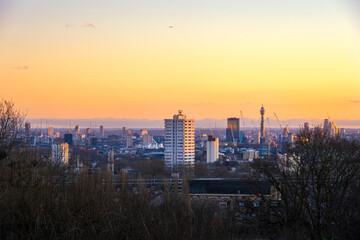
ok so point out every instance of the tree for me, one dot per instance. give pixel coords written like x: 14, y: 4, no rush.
x: 11, y: 125
x: 316, y: 179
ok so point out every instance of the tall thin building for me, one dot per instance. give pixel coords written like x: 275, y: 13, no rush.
x: 262, y: 125
x: 179, y: 141
x: 212, y: 149
x: 102, y: 134
x: 233, y: 129
x: 124, y: 132
x: 88, y: 132
x: 27, y: 128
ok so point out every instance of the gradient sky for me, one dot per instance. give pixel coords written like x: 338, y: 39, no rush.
x: 121, y: 59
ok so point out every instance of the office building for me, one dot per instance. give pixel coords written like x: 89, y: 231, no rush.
x: 290, y: 138
x: 68, y: 138
x: 88, y: 132
x: 60, y: 153
x: 212, y: 149
x: 250, y: 154
x: 50, y: 131
x: 179, y: 141
x: 77, y: 129
x: 330, y: 127
x: 233, y: 129
x: 147, y: 139
x: 27, y: 128
x: 130, y: 132
x: 102, y: 133
x: 129, y: 141
x: 333, y: 129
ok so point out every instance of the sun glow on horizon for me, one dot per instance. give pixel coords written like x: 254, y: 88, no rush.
x: 122, y: 60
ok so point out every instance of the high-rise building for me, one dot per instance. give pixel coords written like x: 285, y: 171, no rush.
x: 262, y: 125
x: 60, y: 153
x: 333, y: 129
x: 88, y: 132
x: 330, y: 127
x: 102, y: 133
x: 129, y: 141
x: 233, y: 129
x: 50, y: 131
x: 179, y: 141
x: 68, y: 138
x: 27, y: 128
x: 130, y: 132
x: 212, y: 149
x: 124, y: 132
x: 77, y: 129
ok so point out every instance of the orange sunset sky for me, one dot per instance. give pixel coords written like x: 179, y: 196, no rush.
x: 147, y: 59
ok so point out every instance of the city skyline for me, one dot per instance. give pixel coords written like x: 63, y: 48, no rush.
x: 119, y: 59
x: 199, y: 123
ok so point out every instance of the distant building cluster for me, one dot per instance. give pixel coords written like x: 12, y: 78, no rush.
x: 178, y: 143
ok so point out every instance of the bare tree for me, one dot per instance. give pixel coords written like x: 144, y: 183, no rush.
x: 11, y: 126
x: 316, y: 179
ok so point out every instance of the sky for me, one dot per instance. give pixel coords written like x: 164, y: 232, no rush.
x: 144, y: 59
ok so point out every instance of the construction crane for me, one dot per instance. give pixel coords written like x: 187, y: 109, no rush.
x: 242, y: 119
x: 268, y: 120
x: 278, y: 121
x: 232, y: 133
x: 245, y: 131
x: 285, y: 130
x: 255, y: 127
